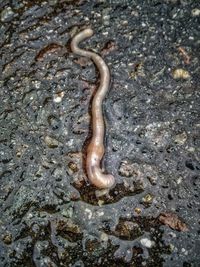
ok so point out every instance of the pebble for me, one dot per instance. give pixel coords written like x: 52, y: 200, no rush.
x: 73, y: 166
x: 148, y: 199
x: 180, y: 138
x: 104, y: 237
x: 184, y: 251
x: 88, y: 213
x: 127, y: 169
x: 180, y: 74
x: 152, y: 179
x: 146, y: 242
x: 127, y: 228
x: 179, y: 180
x: 7, y: 238
x: 67, y: 212
x: 58, y: 97
x: 172, y: 234
x: 137, y: 210
x: 51, y: 142
x: 195, y: 12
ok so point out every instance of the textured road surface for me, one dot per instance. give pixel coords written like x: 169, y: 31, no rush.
x: 50, y: 215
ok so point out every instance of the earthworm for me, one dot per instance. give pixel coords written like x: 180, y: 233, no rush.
x: 95, y: 149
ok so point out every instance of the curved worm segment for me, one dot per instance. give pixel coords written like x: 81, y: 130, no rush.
x: 95, y: 149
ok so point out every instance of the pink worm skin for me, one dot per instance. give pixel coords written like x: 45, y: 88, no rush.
x: 95, y: 150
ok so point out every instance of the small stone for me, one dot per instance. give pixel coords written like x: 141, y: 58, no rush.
x: 73, y: 166
x: 137, y: 210
x: 88, y: 213
x: 135, y: 13
x: 58, y: 97
x: 146, y: 242
x: 106, y: 16
x: 72, y: 227
x: 180, y: 74
x: 127, y: 230
x: 7, y: 238
x: 173, y: 221
x: 191, y: 149
x: 51, y: 142
x: 38, y: 173
x: 7, y: 14
x: 124, y: 22
x: 171, y: 247
x: 152, y: 180
x: 172, y: 234
x: 67, y: 212
x: 104, y: 237
x: 184, y: 251
x: 148, y: 199
x: 127, y: 169
x: 100, y: 203
x: 106, y: 20
x: 179, y: 180
x: 195, y: 12
x: 180, y: 138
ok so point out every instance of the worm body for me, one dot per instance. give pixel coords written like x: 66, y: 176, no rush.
x: 95, y: 150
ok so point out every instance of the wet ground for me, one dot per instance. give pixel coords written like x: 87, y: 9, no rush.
x: 50, y: 214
